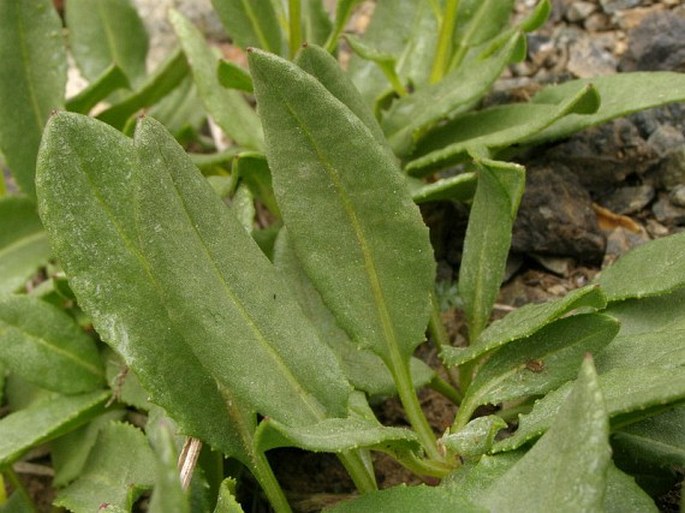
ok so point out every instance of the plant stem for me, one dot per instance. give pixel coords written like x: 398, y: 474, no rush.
x: 361, y: 474
x: 444, y: 49
x: 294, y: 19
x: 405, y: 389
x: 265, y: 477
x: 441, y: 339
x: 443, y: 387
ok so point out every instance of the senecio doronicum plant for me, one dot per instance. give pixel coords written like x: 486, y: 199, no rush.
x: 160, y: 297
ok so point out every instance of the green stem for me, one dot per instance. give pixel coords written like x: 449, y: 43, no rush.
x: 421, y: 467
x: 267, y: 480
x: 295, y: 21
x: 362, y: 475
x: 439, y: 335
x: 444, y: 49
x: 405, y: 389
x: 18, y: 487
x: 443, y: 387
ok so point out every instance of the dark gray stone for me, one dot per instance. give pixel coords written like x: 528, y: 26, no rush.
x: 658, y: 43
x: 677, y: 196
x: 671, y: 171
x: 556, y: 217
x: 611, y: 6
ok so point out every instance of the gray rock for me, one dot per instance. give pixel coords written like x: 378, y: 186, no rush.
x: 667, y: 213
x: 629, y: 200
x: 620, y: 241
x: 605, y: 155
x: 611, y: 6
x: 580, y: 10
x: 589, y: 58
x: 671, y: 171
x: 677, y: 196
x: 658, y: 43
x: 556, y: 217
x: 665, y: 140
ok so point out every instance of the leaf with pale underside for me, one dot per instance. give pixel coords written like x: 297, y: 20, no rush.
x: 46, y: 347
x: 85, y: 189
x: 349, y: 214
x: 274, y: 359
x: 33, y: 76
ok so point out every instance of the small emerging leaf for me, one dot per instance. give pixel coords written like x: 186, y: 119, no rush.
x: 233, y: 76
x: 476, y: 438
x: 226, y: 502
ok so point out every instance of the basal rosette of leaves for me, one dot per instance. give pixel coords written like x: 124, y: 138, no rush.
x: 259, y: 294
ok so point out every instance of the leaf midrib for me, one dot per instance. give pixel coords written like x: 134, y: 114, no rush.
x: 390, y: 337
x: 304, y: 395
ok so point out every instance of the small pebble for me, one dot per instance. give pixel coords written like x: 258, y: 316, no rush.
x: 677, y: 196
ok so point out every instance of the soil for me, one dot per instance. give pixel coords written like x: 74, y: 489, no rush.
x: 589, y: 199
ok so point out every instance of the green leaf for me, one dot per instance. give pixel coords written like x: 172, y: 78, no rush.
x: 85, y: 190
x: 110, y: 80
x: 181, y: 111
x: 350, y: 218
x: 107, y: 32
x: 165, y: 79
x: 167, y: 496
x: 363, y: 368
x: 343, y: 11
x: 23, y: 243
x: 18, y: 502
x: 252, y: 168
x: 488, y: 237
x: 621, y: 94
x: 539, y: 363
x: 116, y: 473
x: 494, y: 128
x: 385, y: 61
x: 228, y: 108
x: 525, y: 321
x: 538, y: 17
x: 46, y: 347
x: 622, y: 495
x: 235, y: 292
x: 476, y: 438
x: 410, y: 117
x: 572, y: 459
x: 227, y: 503
x: 655, y: 268
x: 33, y: 76
x: 651, y: 333
x: 625, y: 390
x: 405, y: 29
x: 321, y: 65
x: 44, y: 420
x: 657, y: 441
x: 461, y: 187
x: 251, y: 24
x: 69, y: 453
x: 232, y: 76
x: 408, y: 499
x: 335, y: 435
x: 316, y: 24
